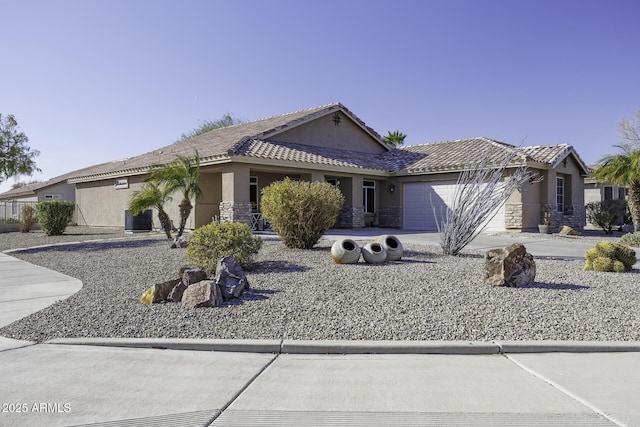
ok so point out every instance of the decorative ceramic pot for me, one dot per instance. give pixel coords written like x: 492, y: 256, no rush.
x: 374, y: 253
x: 392, y: 245
x: 345, y: 251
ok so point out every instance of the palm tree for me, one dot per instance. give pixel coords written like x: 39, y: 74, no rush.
x: 624, y: 170
x: 152, y: 195
x: 183, y: 175
x: 395, y: 138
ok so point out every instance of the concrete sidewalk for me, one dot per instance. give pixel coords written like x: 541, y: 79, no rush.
x: 156, y: 382
x: 64, y: 384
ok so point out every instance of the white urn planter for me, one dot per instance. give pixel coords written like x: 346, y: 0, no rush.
x: 391, y: 245
x: 345, y: 251
x: 374, y: 253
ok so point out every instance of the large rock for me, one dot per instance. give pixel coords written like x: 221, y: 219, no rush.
x: 202, y: 294
x: 568, y: 231
x: 193, y: 275
x: 510, y: 266
x: 179, y: 242
x: 189, y: 276
x: 230, y: 278
x: 158, y: 292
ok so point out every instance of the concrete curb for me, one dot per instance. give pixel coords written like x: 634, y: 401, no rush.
x: 358, y: 347
x: 568, y: 346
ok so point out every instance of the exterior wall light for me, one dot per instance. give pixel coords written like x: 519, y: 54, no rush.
x: 392, y: 188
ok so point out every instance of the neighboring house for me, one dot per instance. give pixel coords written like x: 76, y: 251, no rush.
x: 595, y: 191
x: 12, y: 201
x: 382, y: 185
x: 598, y: 192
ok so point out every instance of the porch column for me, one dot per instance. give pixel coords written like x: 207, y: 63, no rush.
x: 352, y: 212
x: 236, y: 204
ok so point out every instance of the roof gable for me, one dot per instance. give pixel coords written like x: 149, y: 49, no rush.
x: 223, y: 143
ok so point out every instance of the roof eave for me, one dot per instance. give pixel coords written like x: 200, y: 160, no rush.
x: 309, y: 166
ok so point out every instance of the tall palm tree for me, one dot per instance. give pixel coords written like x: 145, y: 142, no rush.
x: 182, y: 175
x: 624, y: 170
x: 395, y: 138
x: 152, y: 195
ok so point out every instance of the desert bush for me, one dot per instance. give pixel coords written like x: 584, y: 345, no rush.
x: 213, y: 241
x: 631, y: 239
x: 608, y: 256
x: 607, y: 214
x: 27, y: 218
x: 300, y: 211
x: 54, y: 216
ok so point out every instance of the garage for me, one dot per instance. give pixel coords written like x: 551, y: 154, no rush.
x: 418, y: 213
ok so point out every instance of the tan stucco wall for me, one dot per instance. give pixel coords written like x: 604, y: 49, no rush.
x: 100, y: 204
x: 322, y: 132
x: 64, y: 190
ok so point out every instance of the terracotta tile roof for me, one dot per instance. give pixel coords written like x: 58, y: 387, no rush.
x: 455, y: 154
x: 287, y: 151
x: 220, y: 144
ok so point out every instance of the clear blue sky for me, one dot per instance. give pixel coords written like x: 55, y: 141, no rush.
x: 92, y: 81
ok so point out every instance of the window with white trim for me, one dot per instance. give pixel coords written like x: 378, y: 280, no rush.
x: 122, y: 183
x: 52, y: 197
x: 254, y: 194
x: 560, y: 193
x: 368, y: 196
x: 608, y: 192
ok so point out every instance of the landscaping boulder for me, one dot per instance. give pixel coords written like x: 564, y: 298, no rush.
x: 189, y: 276
x: 158, y: 292
x: 568, y: 231
x: 179, y: 242
x: 202, y: 294
x: 230, y: 278
x: 510, y: 266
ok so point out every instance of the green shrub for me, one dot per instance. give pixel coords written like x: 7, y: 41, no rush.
x: 213, y: 241
x: 54, y: 216
x: 27, y: 218
x: 607, y: 214
x: 301, y: 212
x: 631, y: 239
x: 607, y: 256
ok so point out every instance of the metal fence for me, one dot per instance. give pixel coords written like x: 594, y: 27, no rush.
x: 11, y: 210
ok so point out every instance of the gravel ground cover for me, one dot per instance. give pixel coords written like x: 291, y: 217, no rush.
x: 302, y: 294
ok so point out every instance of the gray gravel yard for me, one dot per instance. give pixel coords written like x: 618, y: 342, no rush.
x: 302, y: 294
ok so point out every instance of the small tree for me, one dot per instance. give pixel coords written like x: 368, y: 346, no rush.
x: 182, y: 175
x: 16, y: 158
x: 152, y: 196
x: 624, y: 169
x: 54, y: 216
x: 607, y: 214
x: 301, y: 212
x: 27, y: 218
x: 481, y: 190
x: 209, y: 125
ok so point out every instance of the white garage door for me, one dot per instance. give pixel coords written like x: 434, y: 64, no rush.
x: 419, y: 213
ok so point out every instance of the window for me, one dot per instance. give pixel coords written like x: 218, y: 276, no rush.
x: 608, y: 193
x: 622, y: 193
x: 254, y: 194
x: 560, y: 193
x: 52, y: 197
x: 333, y: 181
x: 122, y: 183
x: 368, y: 196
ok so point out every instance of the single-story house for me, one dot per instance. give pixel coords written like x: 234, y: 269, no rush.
x: 595, y: 191
x: 382, y: 185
